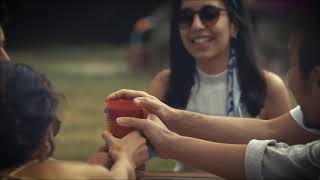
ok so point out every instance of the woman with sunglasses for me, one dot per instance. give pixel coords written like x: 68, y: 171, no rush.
x: 212, y: 67
x: 29, y: 124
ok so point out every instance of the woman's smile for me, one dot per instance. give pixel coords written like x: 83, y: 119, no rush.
x: 202, y: 41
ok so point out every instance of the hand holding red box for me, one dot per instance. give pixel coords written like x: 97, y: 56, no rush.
x: 121, y: 108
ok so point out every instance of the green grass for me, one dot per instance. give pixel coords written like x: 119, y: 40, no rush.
x: 85, y: 75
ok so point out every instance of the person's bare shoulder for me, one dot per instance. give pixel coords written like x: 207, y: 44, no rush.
x: 159, y: 83
x: 275, y: 85
x: 59, y: 169
x: 82, y: 169
x: 277, y: 101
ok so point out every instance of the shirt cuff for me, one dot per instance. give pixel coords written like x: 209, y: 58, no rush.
x: 254, y: 157
x: 297, y: 115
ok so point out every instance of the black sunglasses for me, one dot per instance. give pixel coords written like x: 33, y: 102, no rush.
x: 208, y: 14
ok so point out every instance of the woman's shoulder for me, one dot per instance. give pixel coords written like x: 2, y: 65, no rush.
x: 277, y: 100
x: 163, y: 75
x: 159, y: 84
x: 274, y: 82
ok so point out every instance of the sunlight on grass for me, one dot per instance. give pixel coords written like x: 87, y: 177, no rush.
x: 85, y: 76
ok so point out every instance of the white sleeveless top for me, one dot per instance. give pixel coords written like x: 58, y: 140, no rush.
x: 207, y: 96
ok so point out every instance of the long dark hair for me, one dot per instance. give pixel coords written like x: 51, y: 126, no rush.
x: 27, y: 108
x: 183, y: 65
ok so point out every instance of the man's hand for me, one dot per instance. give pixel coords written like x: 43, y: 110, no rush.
x: 150, y: 103
x: 154, y: 130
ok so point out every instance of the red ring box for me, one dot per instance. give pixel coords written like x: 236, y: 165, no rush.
x: 121, y: 108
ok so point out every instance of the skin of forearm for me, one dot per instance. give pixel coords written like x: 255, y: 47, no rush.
x: 285, y: 129
x: 218, y: 128
x: 238, y: 130
x: 123, y: 169
x: 225, y: 160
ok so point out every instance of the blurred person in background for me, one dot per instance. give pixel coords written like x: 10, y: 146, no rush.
x: 212, y: 65
x: 148, y: 49
x: 29, y: 124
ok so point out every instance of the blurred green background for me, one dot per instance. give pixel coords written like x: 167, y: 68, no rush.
x: 85, y: 75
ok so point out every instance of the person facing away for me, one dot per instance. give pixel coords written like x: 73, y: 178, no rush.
x: 29, y: 124
x: 212, y: 65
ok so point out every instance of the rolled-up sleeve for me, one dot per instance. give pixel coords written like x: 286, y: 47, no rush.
x: 254, y: 156
x: 268, y: 159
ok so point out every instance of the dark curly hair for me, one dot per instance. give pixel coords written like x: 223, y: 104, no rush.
x: 183, y: 66
x: 27, y: 109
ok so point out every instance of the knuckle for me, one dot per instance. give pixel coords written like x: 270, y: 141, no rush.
x: 136, y: 134
x: 145, y: 148
x: 143, y: 141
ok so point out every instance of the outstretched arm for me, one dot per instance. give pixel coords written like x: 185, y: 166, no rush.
x: 239, y: 130
x: 219, y: 129
x: 127, y: 153
x: 226, y: 160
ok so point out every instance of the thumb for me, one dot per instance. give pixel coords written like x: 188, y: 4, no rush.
x: 136, y: 123
x: 108, y: 137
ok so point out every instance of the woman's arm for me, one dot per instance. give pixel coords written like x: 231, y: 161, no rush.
x: 127, y: 153
x: 121, y: 170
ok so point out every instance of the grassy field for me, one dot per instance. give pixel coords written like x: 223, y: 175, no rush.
x: 85, y: 75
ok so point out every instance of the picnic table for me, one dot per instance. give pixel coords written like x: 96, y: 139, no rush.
x: 179, y: 176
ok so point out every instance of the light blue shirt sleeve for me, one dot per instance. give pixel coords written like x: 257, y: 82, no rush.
x: 297, y: 115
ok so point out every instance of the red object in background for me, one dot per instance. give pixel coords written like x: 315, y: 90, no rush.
x: 121, y: 108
